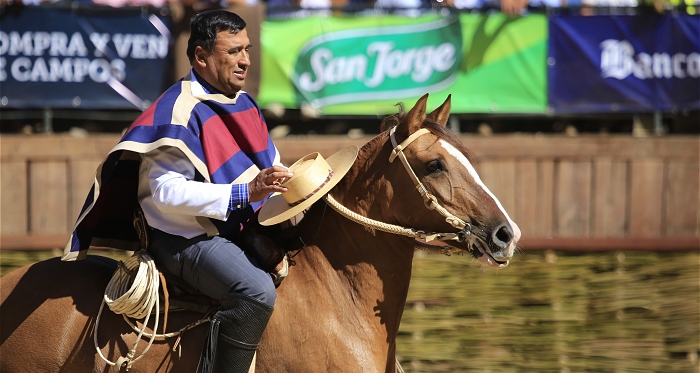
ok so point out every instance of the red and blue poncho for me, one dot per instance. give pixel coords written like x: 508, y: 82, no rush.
x: 226, y: 139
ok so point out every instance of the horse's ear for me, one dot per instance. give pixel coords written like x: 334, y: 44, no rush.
x: 413, y: 120
x: 442, y: 113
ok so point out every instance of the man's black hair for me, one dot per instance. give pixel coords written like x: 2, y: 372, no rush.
x: 204, y: 27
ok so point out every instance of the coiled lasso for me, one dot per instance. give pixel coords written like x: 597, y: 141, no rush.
x: 132, y: 292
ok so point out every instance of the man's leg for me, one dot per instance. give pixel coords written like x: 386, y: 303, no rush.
x: 218, y: 268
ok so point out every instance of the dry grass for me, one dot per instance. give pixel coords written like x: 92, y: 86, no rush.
x: 547, y: 312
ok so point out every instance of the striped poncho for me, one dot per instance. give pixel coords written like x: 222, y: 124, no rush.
x: 225, y: 138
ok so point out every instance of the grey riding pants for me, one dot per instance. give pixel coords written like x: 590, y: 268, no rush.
x: 214, y: 266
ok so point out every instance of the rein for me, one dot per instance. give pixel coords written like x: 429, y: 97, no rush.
x: 395, y: 229
x: 429, y: 200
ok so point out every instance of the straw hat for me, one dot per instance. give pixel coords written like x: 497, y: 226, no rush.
x: 313, y: 178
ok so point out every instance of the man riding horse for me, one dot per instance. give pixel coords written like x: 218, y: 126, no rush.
x: 198, y: 163
x: 412, y: 186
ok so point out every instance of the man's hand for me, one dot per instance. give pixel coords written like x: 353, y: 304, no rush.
x: 267, y: 181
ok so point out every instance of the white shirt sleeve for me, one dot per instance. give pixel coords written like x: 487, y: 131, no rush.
x: 174, y: 190
x: 277, y: 161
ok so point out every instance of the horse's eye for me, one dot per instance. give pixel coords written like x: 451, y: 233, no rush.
x: 434, y: 166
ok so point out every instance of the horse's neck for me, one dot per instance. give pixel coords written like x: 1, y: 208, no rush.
x: 378, y: 264
x: 348, y: 289
x: 373, y: 267
x: 357, y: 275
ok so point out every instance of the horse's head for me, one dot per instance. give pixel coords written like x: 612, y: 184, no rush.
x: 438, y: 190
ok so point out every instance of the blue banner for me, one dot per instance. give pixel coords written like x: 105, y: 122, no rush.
x: 640, y: 63
x: 89, y: 59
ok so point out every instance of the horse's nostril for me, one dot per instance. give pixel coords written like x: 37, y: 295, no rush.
x: 503, y: 235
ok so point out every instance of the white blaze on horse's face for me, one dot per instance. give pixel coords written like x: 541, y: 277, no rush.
x: 465, y: 162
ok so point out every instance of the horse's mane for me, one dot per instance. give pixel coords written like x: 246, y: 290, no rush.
x: 436, y: 128
x: 394, y: 119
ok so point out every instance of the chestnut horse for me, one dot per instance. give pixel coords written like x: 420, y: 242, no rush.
x: 341, y: 305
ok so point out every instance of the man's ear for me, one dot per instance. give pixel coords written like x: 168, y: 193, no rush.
x: 200, y: 56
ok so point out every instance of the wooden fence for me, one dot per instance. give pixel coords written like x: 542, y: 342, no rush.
x: 595, y: 192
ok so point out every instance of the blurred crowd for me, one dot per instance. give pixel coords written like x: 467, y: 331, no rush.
x: 511, y: 7
x: 300, y: 8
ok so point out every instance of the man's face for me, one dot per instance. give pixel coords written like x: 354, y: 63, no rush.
x: 226, y: 66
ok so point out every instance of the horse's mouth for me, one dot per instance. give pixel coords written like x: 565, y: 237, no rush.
x: 481, y: 252
x: 475, y: 245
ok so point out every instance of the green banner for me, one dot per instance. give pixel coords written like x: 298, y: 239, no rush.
x: 365, y: 65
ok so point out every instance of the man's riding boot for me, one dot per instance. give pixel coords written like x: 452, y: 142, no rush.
x: 234, y: 335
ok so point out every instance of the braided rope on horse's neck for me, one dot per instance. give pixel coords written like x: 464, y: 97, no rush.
x: 385, y: 227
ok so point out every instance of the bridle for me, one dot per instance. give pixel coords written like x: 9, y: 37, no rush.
x: 429, y: 200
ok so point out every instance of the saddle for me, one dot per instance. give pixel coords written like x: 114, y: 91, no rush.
x: 266, y: 243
